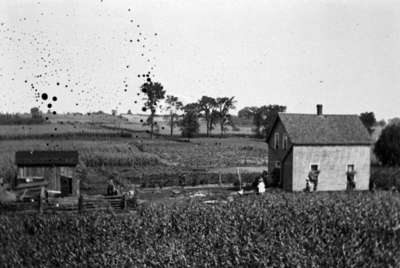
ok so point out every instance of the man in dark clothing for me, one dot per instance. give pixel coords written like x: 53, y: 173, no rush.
x: 111, y: 189
x: 313, y: 178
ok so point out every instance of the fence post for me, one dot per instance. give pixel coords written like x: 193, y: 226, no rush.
x: 239, y: 178
x: 80, y: 203
x: 220, y: 178
x: 42, y: 195
x: 40, y: 207
x: 123, y: 203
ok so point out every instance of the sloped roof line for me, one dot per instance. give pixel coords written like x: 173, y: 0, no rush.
x: 329, y: 129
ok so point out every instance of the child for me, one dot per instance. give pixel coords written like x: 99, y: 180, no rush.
x: 261, y: 186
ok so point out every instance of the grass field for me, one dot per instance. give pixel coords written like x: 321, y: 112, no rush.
x: 135, y: 123
x: 275, y: 230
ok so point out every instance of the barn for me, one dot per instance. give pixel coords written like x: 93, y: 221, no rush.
x: 333, y: 145
x: 55, y: 170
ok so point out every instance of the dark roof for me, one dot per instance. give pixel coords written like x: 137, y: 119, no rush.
x: 312, y: 129
x: 46, y: 158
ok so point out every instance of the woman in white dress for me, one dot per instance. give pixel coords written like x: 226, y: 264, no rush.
x: 261, y: 186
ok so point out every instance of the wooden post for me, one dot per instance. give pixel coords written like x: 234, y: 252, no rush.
x: 220, y: 178
x: 123, y: 203
x: 80, y: 203
x: 42, y: 196
x: 40, y: 207
x: 240, y: 179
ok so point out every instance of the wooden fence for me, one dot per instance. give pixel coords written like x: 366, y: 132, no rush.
x: 73, y: 204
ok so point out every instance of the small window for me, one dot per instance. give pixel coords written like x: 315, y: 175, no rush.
x: 285, y: 142
x: 314, y: 167
x: 276, y: 145
x: 278, y: 164
x: 350, y: 168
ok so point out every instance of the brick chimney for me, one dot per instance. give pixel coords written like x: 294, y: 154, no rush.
x: 319, y: 109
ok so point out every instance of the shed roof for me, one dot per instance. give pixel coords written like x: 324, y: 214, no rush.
x: 46, y: 158
x: 312, y: 129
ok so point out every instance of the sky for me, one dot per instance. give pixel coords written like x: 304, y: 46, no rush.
x: 94, y: 54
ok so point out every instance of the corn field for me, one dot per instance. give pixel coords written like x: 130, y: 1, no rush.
x: 278, y: 230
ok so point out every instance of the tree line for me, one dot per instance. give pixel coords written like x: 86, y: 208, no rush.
x: 216, y: 112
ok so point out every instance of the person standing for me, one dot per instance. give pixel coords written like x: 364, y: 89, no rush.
x: 313, y: 178
x: 111, y: 189
x: 261, y: 186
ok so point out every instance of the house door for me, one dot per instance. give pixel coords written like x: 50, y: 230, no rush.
x: 66, y: 186
x: 276, y: 175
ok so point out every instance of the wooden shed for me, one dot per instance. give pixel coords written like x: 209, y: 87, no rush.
x: 55, y: 170
x: 333, y: 145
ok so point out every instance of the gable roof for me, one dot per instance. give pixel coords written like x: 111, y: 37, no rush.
x: 312, y: 129
x: 46, y: 158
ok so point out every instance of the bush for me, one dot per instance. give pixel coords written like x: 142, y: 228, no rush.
x: 385, y: 178
x: 387, y: 148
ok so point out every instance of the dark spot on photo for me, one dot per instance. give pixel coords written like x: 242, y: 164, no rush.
x: 45, y: 96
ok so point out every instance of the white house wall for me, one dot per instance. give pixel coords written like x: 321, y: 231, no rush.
x: 332, y: 162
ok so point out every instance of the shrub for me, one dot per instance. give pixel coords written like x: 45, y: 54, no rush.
x: 385, y: 178
x: 387, y: 148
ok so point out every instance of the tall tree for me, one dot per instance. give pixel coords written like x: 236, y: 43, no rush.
x: 268, y: 114
x: 369, y: 120
x: 154, y: 92
x: 248, y: 112
x: 264, y: 118
x: 173, y: 106
x: 387, y: 148
x: 206, y: 105
x: 189, y: 123
x: 224, y: 105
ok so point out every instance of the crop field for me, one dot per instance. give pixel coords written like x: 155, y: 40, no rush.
x: 274, y: 230
x: 210, y: 152
x: 93, y: 153
x: 50, y: 130
x: 140, y: 160
x: 85, y: 118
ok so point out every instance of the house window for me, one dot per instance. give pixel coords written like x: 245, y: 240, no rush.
x: 314, y: 167
x: 278, y: 164
x: 284, y: 142
x: 350, y: 168
x: 276, y: 140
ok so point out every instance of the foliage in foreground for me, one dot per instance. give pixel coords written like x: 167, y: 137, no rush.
x: 326, y: 230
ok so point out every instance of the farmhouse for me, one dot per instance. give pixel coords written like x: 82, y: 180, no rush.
x: 333, y: 145
x: 55, y: 170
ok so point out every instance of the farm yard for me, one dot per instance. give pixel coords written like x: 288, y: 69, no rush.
x: 177, y: 134
x: 349, y: 230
